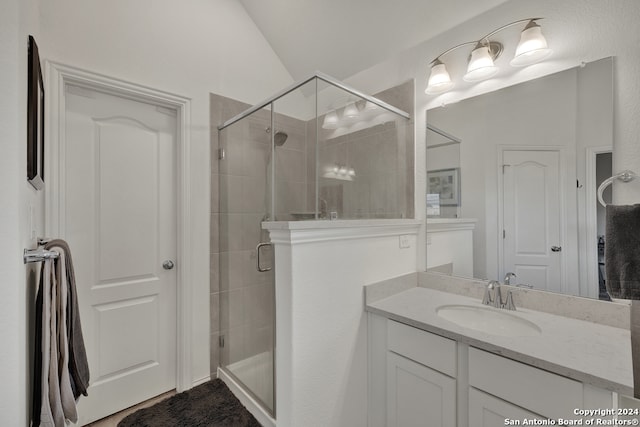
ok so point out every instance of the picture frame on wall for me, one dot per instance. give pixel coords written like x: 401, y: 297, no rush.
x: 35, y: 119
x: 446, y: 183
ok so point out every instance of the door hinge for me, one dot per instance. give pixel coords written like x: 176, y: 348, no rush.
x: 504, y: 234
x: 221, y: 341
x: 221, y: 154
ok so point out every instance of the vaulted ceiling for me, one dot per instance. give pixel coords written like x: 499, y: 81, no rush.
x: 343, y: 37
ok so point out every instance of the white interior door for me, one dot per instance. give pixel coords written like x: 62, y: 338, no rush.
x: 119, y: 216
x: 532, y: 236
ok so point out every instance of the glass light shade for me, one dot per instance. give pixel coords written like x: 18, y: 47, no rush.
x: 532, y: 47
x: 370, y: 108
x: 331, y: 121
x: 439, y: 79
x: 481, y: 65
x: 350, y: 112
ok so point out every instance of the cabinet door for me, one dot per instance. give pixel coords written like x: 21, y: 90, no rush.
x: 489, y: 411
x: 418, y: 396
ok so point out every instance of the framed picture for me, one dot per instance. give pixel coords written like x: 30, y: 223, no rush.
x: 35, y: 119
x: 446, y: 183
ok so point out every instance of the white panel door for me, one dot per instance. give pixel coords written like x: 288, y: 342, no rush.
x: 418, y: 396
x: 532, y: 197
x: 120, y: 221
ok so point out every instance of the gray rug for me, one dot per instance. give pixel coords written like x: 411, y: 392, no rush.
x: 210, y: 404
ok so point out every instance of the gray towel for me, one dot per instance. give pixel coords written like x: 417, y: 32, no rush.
x: 78, y: 364
x: 635, y: 346
x: 622, y: 259
x: 60, y: 362
x: 622, y: 251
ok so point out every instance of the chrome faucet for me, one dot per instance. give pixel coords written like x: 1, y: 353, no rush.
x: 509, y: 305
x: 497, y: 295
x: 496, y: 300
x: 508, y: 277
x: 323, y: 208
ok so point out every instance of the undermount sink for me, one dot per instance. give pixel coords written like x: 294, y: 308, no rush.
x: 488, y: 320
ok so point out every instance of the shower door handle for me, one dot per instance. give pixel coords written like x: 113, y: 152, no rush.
x: 259, y: 266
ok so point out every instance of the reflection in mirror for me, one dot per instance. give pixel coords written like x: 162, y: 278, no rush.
x: 512, y: 178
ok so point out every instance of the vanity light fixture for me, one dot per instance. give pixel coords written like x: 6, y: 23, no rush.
x: 340, y: 172
x: 331, y: 120
x: 532, y: 48
x: 350, y: 112
x: 439, y: 80
x: 481, y: 66
x: 370, y: 108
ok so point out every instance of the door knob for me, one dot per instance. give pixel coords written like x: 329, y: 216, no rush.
x: 556, y: 248
x: 168, y: 264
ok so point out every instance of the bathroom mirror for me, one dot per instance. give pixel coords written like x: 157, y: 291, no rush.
x: 529, y: 159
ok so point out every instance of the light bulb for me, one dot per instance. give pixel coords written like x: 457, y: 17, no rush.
x: 331, y: 121
x: 532, y: 47
x: 351, y: 112
x: 481, y: 65
x: 439, y: 79
x: 370, y: 109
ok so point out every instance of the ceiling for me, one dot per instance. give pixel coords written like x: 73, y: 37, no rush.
x: 344, y: 37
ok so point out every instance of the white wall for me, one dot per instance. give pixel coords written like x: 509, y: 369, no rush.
x: 188, y: 48
x: 18, y: 19
x: 577, y: 30
x: 321, y: 326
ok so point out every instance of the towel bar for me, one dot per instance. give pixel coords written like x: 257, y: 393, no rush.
x: 40, y: 254
x: 624, y: 176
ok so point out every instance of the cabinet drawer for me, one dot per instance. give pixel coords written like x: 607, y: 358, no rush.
x: 431, y: 350
x: 540, y: 391
x: 488, y: 411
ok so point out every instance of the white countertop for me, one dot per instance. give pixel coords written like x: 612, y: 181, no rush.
x: 588, y: 352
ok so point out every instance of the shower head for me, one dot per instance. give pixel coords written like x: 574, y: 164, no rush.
x: 279, y: 138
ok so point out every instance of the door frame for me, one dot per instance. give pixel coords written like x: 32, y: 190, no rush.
x: 562, y: 174
x: 591, y: 201
x: 57, y: 77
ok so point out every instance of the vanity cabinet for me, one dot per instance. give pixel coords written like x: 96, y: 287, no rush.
x: 418, y: 396
x: 489, y: 411
x: 499, y: 385
x: 436, y: 381
x: 421, y: 388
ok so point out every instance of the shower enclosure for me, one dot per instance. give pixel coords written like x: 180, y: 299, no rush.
x: 317, y: 150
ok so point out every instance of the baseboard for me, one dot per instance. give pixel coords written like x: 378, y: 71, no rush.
x: 249, y: 402
x: 201, y: 381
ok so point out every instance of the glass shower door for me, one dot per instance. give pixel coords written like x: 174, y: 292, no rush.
x: 247, y: 296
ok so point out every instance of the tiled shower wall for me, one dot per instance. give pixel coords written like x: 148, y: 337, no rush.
x: 382, y: 158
